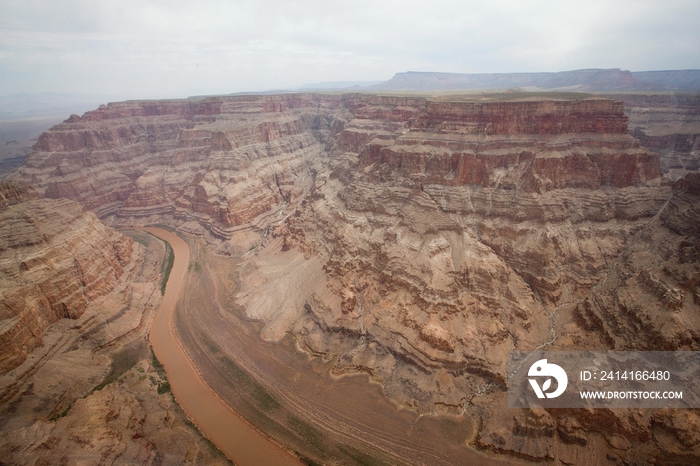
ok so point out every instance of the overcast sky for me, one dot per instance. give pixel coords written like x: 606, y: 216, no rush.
x: 155, y: 49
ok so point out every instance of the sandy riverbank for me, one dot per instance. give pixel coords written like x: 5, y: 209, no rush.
x: 237, y: 439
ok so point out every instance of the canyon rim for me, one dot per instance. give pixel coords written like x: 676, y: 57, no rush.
x: 394, y: 246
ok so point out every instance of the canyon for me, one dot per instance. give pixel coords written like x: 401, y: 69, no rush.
x: 77, y: 300
x: 669, y: 125
x: 401, y: 241
x: 55, y: 278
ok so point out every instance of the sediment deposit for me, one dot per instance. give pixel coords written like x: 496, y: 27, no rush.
x: 420, y: 241
x: 240, y: 441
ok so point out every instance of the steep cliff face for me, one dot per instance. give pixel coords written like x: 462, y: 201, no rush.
x: 54, y: 259
x: 450, y: 232
x: 219, y: 162
x: 645, y: 300
x: 669, y: 125
x: 76, y: 302
x: 418, y: 241
x: 650, y: 298
x: 226, y: 162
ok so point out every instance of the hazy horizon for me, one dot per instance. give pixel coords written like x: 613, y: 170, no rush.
x: 156, y: 49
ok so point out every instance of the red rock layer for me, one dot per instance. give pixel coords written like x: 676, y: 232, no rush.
x: 194, y: 159
x: 54, y: 259
x: 526, y: 117
x: 422, y: 240
x: 668, y: 125
x: 538, y: 145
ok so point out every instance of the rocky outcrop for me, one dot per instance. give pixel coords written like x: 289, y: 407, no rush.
x: 450, y: 235
x: 441, y: 218
x: 538, y: 146
x: 220, y: 162
x: 417, y: 241
x: 428, y: 223
x: 11, y: 195
x: 129, y: 420
x: 647, y: 301
x: 88, y: 390
x: 439, y: 204
x: 54, y: 259
x: 227, y: 162
x: 668, y: 125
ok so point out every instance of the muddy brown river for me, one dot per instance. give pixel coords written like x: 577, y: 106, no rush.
x: 234, y: 386
x: 237, y: 439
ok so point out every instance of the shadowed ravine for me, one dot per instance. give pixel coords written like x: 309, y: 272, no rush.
x: 237, y: 439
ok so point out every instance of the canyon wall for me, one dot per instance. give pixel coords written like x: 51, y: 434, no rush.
x: 218, y: 162
x: 669, y: 125
x: 419, y: 241
x: 202, y: 161
x: 449, y: 232
x: 77, y: 383
x: 441, y: 236
x: 54, y: 259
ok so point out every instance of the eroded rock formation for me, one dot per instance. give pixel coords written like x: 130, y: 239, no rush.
x: 452, y: 234
x: 668, y: 124
x: 221, y: 163
x: 55, y: 258
x: 420, y: 241
x: 77, y: 383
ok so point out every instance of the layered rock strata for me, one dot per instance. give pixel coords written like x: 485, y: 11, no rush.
x: 645, y: 301
x: 54, y: 259
x: 649, y: 299
x: 419, y: 241
x: 669, y: 125
x: 448, y: 232
x: 442, y: 237
x: 91, y: 393
x: 221, y: 163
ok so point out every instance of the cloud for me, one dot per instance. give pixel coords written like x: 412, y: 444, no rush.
x: 176, y: 48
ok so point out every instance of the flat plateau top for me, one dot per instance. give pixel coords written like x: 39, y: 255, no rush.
x: 512, y: 96
x: 482, y: 95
